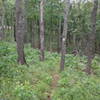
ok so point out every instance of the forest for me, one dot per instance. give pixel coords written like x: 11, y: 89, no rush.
x: 49, y: 49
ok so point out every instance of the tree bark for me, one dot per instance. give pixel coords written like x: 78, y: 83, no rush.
x: 20, y: 27
x: 1, y: 21
x: 64, y: 34
x: 32, y: 39
x: 42, y: 30
x: 92, y: 37
x: 59, y: 37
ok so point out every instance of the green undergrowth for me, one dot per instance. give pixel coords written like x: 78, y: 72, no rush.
x: 19, y: 82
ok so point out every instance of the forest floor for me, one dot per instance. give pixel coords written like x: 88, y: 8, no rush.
x: 54, y: 83
x: 42, y: 80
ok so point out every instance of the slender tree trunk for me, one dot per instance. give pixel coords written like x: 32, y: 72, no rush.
x: 26, y: 31
x: 74, y: 41
x: 91, y: 37
x: 20, y: 25
x: 38, y: 31
x: 1, y: 21
x: 32, y: 38
x: 14, y: 25
x: 64, y: 35
x: 1, y: 29
x: 42, y: 30
x: 59, y: 37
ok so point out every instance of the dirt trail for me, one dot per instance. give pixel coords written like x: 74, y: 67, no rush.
x: 55, y: 78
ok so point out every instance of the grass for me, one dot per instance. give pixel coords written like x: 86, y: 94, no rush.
x: 42, y: 80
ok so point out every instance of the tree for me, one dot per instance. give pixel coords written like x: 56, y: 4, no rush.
x: 78, y: 24
x: 64, y: 34
x: 1, y: 20
x: 20, y: 27
x: 32, y: 39
x: 42, y: 30
x: 92, y: 37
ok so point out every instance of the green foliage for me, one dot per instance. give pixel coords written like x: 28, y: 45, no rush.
x: 76, y: 62
x: 77, y: 86
x: 7, y: 59
x: 19, y: 82
x: 79, y: 23
x: 96, y: 65
x: 24, y: 92
x: 3, y: 49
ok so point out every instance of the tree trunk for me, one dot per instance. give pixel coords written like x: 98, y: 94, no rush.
x: 20, y: 27
x: 59, y: 37
x: 64, y: 35
x: 42, y: 30
x: 1, y: 21
x: 91, y: 38
x: 32, y: 38
x: 14, y: 32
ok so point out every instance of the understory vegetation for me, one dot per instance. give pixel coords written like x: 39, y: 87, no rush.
x: 42, y: 80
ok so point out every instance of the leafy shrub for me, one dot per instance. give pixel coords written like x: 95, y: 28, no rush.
x: 4, y: 49
x: 76, y: 62
x: 42, y: 90
x: 77, y: 87
x: 24, y: 92
x: 96, y: 65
